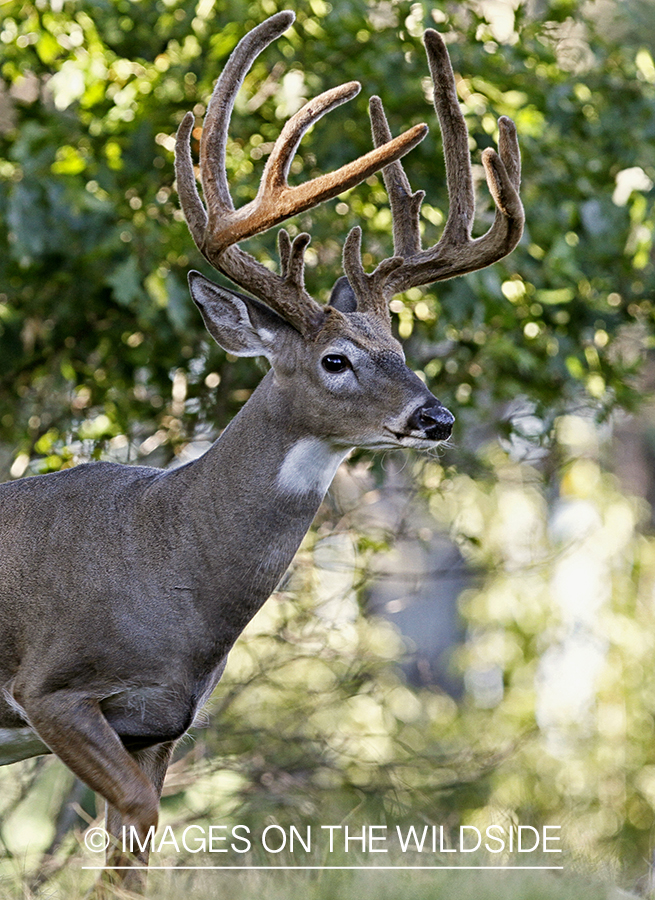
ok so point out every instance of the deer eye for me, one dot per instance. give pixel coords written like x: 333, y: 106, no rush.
x: 335, y: 362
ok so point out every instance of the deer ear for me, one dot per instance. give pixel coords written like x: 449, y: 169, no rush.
x: 343, y: 297
x: 239, y: 324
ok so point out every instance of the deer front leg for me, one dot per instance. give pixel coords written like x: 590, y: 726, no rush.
x: 72, y: 725
x: 153, y: 762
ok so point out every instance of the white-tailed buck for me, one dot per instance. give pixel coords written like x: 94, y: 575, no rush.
x: 123, y: 588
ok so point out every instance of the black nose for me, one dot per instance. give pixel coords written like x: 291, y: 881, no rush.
x: 434, y: 419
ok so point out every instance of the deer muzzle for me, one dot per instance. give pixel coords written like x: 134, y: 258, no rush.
x: 433, y: 419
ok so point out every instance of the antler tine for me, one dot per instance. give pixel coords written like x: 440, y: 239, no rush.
x: 214, y: 132
x: 454, y: 134
x: 192, y: 207
x: 369, y: 288
x: 279, y: 162
x: 455, y: 253
x: 405, y: 208
x: 405, y: 205
x: 292, y: 256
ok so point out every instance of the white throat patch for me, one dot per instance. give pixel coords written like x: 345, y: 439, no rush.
x: 309, y: 467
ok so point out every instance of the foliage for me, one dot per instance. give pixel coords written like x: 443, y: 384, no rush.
x: 95, y: 319
x: 101, y: 354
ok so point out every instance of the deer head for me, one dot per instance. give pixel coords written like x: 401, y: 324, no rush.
x: 355, y: 384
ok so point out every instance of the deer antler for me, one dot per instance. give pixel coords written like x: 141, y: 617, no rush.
x: 456, y: 252
x: 218, y: 229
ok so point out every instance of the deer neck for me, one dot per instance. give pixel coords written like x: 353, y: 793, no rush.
x: 251, y: 498
x: 267, y: 457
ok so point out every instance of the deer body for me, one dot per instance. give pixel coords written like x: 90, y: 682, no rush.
x: 140, y: 580
x: 156, y: 562
x: 123, y: 588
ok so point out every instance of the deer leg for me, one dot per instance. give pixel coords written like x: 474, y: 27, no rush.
x: 153, y: 761
x: 73, y: 727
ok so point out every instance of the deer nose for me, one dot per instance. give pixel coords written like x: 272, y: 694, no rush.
x: 434, y: 419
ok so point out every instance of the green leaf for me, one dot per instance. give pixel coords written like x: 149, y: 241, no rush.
x: 125, y: 282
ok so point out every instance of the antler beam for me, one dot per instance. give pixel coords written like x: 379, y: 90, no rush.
x: 218, y: 229
x: 456, y: 252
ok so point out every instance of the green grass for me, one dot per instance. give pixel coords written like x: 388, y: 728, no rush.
x: 463, y: 885
x: 341, y: 885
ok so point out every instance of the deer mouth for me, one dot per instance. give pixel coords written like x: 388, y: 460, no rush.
x: 430, y: 423
x: 420, y: 441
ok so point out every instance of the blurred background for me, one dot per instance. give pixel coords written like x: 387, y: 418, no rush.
x: 464, y: 638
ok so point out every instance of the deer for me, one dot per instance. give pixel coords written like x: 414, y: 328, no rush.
x: 124, y: 587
